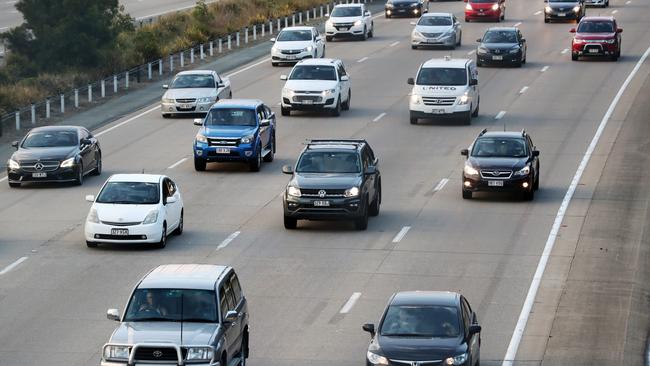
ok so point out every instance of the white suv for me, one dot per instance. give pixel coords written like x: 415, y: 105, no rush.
x: 349, y: 20
x: 317, y: 85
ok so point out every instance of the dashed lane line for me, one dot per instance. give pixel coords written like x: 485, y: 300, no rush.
x: 13, y: 265
x: 401, y: 234
x: 228, y: 240
x: 393, y: 44
x: 500, y: 115
x: 523, y: 90
x: 564, y: 51
x: 350, y: 303
x: 441, y: 185
x: 379, y: 117
x: 362, y: 59
x: 544, y: 68
x: 177, y: 163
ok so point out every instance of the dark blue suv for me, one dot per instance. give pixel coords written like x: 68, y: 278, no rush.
x: 238, y: 130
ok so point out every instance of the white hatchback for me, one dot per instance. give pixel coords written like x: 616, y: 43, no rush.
x: 134, y: 208
x: 297, y: 43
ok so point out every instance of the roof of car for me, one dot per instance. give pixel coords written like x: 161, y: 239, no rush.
x: 186, y: 276
x: 447, y: 62
x: 319, y: 61
x: 145, y: 178
x: 56, y: 128
x: 336, y: 144
x: 297, y: 28
x: 588, y: 18
x: 353, y: 5
x: 425, y: 298
x: 436, y: 15
x: 196, y: 72
x: 238, y: 103
x: 518, y: 134
x: 511, y: 29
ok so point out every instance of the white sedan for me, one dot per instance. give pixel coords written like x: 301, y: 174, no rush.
x: 134, y: 208
x: 297, y: 43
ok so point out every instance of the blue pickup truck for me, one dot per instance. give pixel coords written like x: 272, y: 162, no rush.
x: 236, y: 130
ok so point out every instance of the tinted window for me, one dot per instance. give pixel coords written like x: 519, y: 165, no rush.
x: 346, y: 11
x: 130, y: 193
x: 295, y: 35
x: 314, y: 72
x: 329, y: 162
x: 51, y: 139
x: 499, y: 147
x: 483, y: 1
x: 596, y: 27
x: 435, y: 20
x: 500, y: 37
x: 231, y: 117
x: 193, y: 81
x: 421, y: 321
x: 172, y: 305
x: 442, y: 76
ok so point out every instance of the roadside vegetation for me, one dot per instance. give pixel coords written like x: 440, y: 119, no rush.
x: 67, y: 43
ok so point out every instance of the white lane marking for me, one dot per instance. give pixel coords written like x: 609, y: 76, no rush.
x: 393, y: 44
x: 523, y: 90
x: 127, y: 121
x: 3, y: 28
x: 177, y: 163
x: 564, y: 51
x: 248, y: 67
x: 3, y: 179
x: 228, y: 240
x: 441, y: 185
x: 517, y: 24
x: 544, y: 69
x: 538, y: 12
x: 13, y: 265
x: 379, y: 117
x: 511, y: 353
x: 614, y: 11
x: 401, y: 234
x: 350, y: 303
x: 471, y: 52
x: 500, y: 115
x: 628, y: 2
x: 362, y: 59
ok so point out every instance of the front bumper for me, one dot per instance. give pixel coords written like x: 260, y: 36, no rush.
x: 501, y: 58
x: 449, y: 41
x: 513, y: 184
x: 406, y: 11
x: 594, y: 49
x: 339, y: 208
x: 101, y: 233
x: 185, y: 108
x: 339, y: 31
x: 485, y: 14
x: 278, y: 56
x: 560, y: 15
x: 439, y: 111
x: 309, y: 102
x: 242, y: 152
x: 60, y: 175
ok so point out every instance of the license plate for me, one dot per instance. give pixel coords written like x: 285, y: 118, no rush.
x: 438, y: 111
x: 223, y: 150
x: 121, y: 232
x: 186, y: 106
x: 307, y: 101
x: 495, y: 183
x: 290, y: 57
x: 321, y: 203
x: 561, y: 14
x: 39, y: 175
x: 344, y: 28
x: 497, y: 58
x: 593, y: 50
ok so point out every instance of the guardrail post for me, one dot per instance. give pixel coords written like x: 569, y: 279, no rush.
x: 201, y: 53
x: 160, y: 67
x: 90, y: 93
x: 33, y: 113
x: 103, y: 88
x: 47, y: 108
x: 255, y: 32
x: 270, y: 27
x: 211, y: 48
x: 171, y: 63
x: 192, y: 55
x: 328, y: 8
x: 321, y: 11
x: 279, y: 24
x: 126, y: 80
x: 220, y: 45
x: 149, y: 71
x: 293, y: 19
x: 76, y: 98
x: 115, y: 84
x: 182, y: 59
x: 307, y: 13
x: 229, y: 42
x: 62, y: 97
x: 237, y: 43
x: 314, y: 13
x: 286, y: 22
x: 246, y: 35
x: 300, y: 18
x: 17, y: 120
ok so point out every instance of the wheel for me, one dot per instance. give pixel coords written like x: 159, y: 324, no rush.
x: 163, y: 237
x: 546, y: 20
x: 614, y: 58
x: 243, y: 350
x: 536, y: 184
x: 413, y: 120
x: 337, y: 110
x: 387, y: 16
x: 523, y: 61
x: 371, y: 34
x: 574, y: 57
x: 466, y: 20
x: 519, y: 64
x: 199, y: 164
x: 179, y: 229
x: 323, y: 55
x: 503, y: 15
x: 285, y: 111
x: 529, y: 195
x: 478, y: 63
x: 98, y: 168
x: 460, y: 39
x: 364, y: 36
x: 290, y: 223
x: 166, y: 115
x: 274, y: 64
x: 328, y: 38
x: 14, y: 184
x: 269, y: 157
x: 467, y: 195
x: 362, y: 222
x: 346, y: 105
x: 80, y: 175
x: 91, y: 244
x: 414, y: 47
x: 467, y: 118
x: 478, y: 105
x: 255, y: 164
x: 374, y: 207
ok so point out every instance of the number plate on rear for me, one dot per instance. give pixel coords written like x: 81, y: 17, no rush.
x: 321, y: 203
x: 39, y: 175
x: 223, y: 150
x: 495, y: 183
x: 120, y: 232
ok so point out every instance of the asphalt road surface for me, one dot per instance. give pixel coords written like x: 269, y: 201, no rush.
x: 54, y: 291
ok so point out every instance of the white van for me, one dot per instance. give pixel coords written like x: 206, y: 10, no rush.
x: 445, y: 88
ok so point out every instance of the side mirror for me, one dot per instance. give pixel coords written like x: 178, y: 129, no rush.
x: 370, y: 328
x: 410, y: 81
x: 165, y: 86
x: 367, y: 13
x: 220, y: 85
x: 171, y: 199
x: 619, y: 30
x: 473, y: 329
x: 14, y: 144
x: 327, y: 15
x: 572, y: 30
x: 265, y: 122
x: 464, y: 152
x: 198, y: 122
x: 272, y: 40
x: 371, y: 169
x: 283, y: 77
x: 287, y: 169
x: 479, y: 40
x: 523, y: 40
x: 231, y: 316
x: 113, y: 314
x: 317, y: 39
x: 535, y: 152
x: 345, y: 78
x: 90, y: 198
x: 473, y: 82
x: 84, y: 142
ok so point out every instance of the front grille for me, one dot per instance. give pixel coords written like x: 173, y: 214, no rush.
x: 431, y: 35
x: 156, y: 354
x: 120, y: 223
x: 224, y: 141
x: 496, y: 174
x: 290, y: 52
x: 120, y: 237
x: 411, y: 363
x: 438, y: 100
x: 344, y: 26
x: 186, y: 100
x: 329, y: 193
x: 307, y: 92
x: 39, y: 166
x: 303, y: 98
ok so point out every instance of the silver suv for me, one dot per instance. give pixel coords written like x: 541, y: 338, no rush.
x: 182, y: 314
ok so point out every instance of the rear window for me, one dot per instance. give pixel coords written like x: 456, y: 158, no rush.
x: 442, y: 76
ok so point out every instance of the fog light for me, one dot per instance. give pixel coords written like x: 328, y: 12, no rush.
x: 467, y: 183
x: 199, y: 152
x: 248, y: 153
x: 171, y: 109
x: 143, y: 236
x: 388, y: 12
x: 525, y: 185
x: 96, y: 236
x: 354, y: 205
x: 201, y: 108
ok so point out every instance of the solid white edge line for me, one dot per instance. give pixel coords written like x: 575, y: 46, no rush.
x: 382, y: 115
x: 523, y: 90
x: 267, y: 59
x: 544, y: 68
x: 511, y: 353
x: 401, y: 234
x: 13, y: 265
x: 3, y: 179
x: 500, y: 115
x: 614, y: 11
x: 171, y: 11
x: 517, y: 24
x: 228, y: 240
x: 362, y: 59
x: 441, y: 184
x: 127, y: 121
x: 177, y: 163
x: 628, y: 2
x: 350, y: 303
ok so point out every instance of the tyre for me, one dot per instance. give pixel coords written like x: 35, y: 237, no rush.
x: 199, y: 164
x: 166, y: 115
x: 364, y: 36
x: 375, y: 206
x: 466, y: 20
x: 14, y: 184
x: 614, y: 58
x: 337, y: 110
x: 574, y: 57
x: 523, y: 61
x: 479, y: 63
x: 328, y: 38
x: 387, y: 16
x: 323, y: 55
x: 467, y: 195
x: 536, y: 184
x: 91, y: 244
x: 179, y: 229
x: 255, y: 164
x: 460, y: 40
x: 467, y: 118
x: 371, y: 34
x: 529, y: 195
x: 98, y: 168
x: 346, y: 105
x: 243, y: 350
x: 80, y: 175
x: 546, y: 20
x: 163, y: 238
x: 413, y: 120
x: 269, y: 157
x: 362, y: 222
x: 285, y: 111
x: 290, y: 223
x: 414, y: 47
x: 274, y: 64
x: 478, y: 105
x: 519, y: 64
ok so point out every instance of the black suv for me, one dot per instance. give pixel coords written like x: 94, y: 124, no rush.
x: 425, y: 328
x: 333, y: 180
x: 501, y: 161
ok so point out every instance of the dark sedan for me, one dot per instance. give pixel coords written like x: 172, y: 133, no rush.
x: 54, y: 154
x: 501, y: 46
x: 425, y: 328
x: 564, y: 10
x: 409, y: 8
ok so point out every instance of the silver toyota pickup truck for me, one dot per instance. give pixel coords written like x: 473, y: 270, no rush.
x: 182, y: 314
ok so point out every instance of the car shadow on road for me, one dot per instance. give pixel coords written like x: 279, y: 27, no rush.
x: 543, y: 195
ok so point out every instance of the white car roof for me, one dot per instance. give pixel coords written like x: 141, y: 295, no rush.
x: 145, y: 178
x: 297, y: 28
x: 436, y: 15
x: 319, y: 61
x: 446, y: 62
x: 183, y: 276
x: 348, y: 5
x: 196, y: 72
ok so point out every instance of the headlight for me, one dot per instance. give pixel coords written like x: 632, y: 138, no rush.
x: 116, y: 352
x: 13, y: 164
x: 524, y: 171
x: 416, y: 99
x: 199, y: 353
x: 201, y: 138
x: 307, y: 49
x: 358, y: 23
x: 247, y: 139
x: 205, y: 100
x: 469, y: 170
x: 495, y: 6
x: 463, y: 99
x: 482, y: 50
x: 457, y: 360
x: 328, y: 92
x: 514, y: 50
x: 548, y: 9
x: 468, y: 7
x: 167, y: 100
x: 92, y: 216
x: 376, y: 359
x: 151, y: 218
x: 329, y: 23
x: 287, y: 91
x: 293, y: 191
x: 610, y: 41
x: 274, y: 48
x: 351, y: 192
x: 67, y: 163
x: 576, y: 9
x: 417, y: 34
x: 577, y: 40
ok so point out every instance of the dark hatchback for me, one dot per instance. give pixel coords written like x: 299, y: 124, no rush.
x: 54, y: 154
x: 333, y: 180
x: 501, y: 46
x: 409, y: 8
x: 564, y: 10
x: 425, y: 328
x: 501, y: 162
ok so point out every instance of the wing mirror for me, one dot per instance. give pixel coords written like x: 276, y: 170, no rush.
x: 479, y: 40
x: 473, y: 329
x: 165, y: 86
x: 345, y: 78
x: 370, y: 328
x: 283, y: 77
x: 231, y: 316
x: 265, y: 122
x: 84, y: 142
x: 464, y: 152
x: 272, y: 40
x: 523, y: 40
x: 198, y: 122
x: 410, y: 81
x: 113, y: 314
x: 619, y: 30
x: 370, y: 170
x: 14, y: 144
x: 473, y: 82
x: 287, y: 169
x: 367, y: 13
x: 535, y: 152
x: 220, y: 85
x: 572, y: 30
x: 90, y: 198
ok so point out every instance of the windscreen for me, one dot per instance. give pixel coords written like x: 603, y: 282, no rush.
x: 346, y: 11
x: 499, y: 147
x: 442, y: 76
x: 198, y: 306
x: 193, y: 81
x: 596, y: 27
x: 421, y: 321
x: 51, y: 139
x: 294, y: 35
x: 329, y: 162
x: 435, y: 20
x: 313, y: 72
x: 130, y: 193
x: 500, y: 36
x: 230, y: 117
x: 483, y: 1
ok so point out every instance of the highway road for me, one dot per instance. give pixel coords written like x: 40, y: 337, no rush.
x: 54, y: 291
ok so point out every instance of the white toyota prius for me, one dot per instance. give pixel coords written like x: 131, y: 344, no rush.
x: 134, y: 208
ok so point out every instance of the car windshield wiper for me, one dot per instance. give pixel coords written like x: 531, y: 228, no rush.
x: 196, y: 320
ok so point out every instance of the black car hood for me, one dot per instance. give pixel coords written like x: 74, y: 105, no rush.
x: 498, y: 163
x: 45, y: 153
x: 566, y: 5
x: 326, y: 181
x: 499, y: 46
x: 420, y: 349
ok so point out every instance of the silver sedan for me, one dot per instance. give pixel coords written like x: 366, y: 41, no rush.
x: 194, y: 92
x: 436, y: 29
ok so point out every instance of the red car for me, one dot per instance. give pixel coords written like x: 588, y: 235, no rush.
x: 485, y: 9
x: 596, y: 36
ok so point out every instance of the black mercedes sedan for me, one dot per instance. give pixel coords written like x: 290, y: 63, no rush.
x: 409, y: 8
x: 501, y: 46
x: 425, y: 328
x: 54, y: 154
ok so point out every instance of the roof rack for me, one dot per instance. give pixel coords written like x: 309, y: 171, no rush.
x: 336, y: 141
x: 483, y: 132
